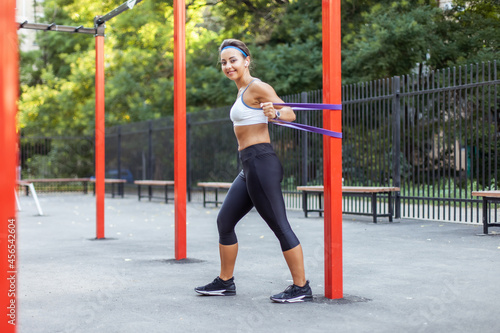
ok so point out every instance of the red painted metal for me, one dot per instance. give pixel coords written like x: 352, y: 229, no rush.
x: 9, y: 84
x: 180, y: 158
x: 332, y: 149
x: 99, y: 135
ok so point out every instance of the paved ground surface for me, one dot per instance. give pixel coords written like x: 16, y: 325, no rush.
x: 411, y: 276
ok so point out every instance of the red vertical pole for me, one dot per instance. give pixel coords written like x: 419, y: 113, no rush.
x: 180, y: 177
x: 9, y: 89
x: 99, y: 133
x: 332, y: 149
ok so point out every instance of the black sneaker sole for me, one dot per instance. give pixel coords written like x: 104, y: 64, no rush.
x: 223, y: 292
x: 298, y: 299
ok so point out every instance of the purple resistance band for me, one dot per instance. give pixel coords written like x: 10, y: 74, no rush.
x: 311, y: 106
x: 307, y: 128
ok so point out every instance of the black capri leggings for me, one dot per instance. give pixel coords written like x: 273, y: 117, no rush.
x: 257, y: 185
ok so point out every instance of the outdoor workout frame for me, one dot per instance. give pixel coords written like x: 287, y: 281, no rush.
x: 99, y: 32
x: 9, y: 90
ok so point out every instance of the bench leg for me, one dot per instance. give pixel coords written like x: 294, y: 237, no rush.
x: 374, y: 207
x: 139, y: 192
x: 18, y: 204
x: 304, y: 203
x: 150, y: 192
x: 204, y: 198
x: 216, y: 197
x: 166, y: 193
x: 35, y: 197
x: 485, y: 215
x: 112, y: 190
x: 320, y: 195
x: 85, y: 187
x: 391, y: 210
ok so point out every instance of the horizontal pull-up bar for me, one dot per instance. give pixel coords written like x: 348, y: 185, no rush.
x: 117, y: 11
x: 55, y: 27
x: 99, y: 21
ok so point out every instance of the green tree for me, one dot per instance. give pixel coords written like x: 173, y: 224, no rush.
x: 397, y: 37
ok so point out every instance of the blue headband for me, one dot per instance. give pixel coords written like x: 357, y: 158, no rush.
x: 236, y: 48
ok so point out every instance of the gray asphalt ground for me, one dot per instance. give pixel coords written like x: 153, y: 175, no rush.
x: 411, y: 276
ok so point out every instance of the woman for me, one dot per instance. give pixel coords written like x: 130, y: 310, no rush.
x: 258, y: 184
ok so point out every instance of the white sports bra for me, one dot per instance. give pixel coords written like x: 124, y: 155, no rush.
x: 242, y: 114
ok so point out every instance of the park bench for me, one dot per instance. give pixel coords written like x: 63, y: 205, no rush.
x: 372, y: 192
x: 488, y: 196
x: 150, y: 184
x: 84, y: 181
x: 215, y: 186
x: 113, y: 181
x: 29, y: 188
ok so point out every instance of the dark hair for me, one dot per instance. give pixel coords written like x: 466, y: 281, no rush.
x: 236, y: 43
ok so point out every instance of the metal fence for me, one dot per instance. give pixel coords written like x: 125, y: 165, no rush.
x: 55, y: 157
x: 450, y: 131
x: 436, y: 136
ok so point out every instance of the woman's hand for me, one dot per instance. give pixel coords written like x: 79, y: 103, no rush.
x: 269, y: 111
x: 283, y: 113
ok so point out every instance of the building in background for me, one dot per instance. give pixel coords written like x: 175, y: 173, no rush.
x: 31, y: 11
x: 445, y: 4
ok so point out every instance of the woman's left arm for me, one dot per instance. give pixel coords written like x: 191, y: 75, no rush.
x: 266, y: 96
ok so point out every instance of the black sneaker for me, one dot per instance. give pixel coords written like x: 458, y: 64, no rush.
x: 294, y: 294
x: 218, y: 287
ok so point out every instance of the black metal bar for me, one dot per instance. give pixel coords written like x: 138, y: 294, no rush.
x: 304, y: 202
x: 55, y: 27
x: 303, y: 98
x: 119, y: 152
x: 204, y: 197
x: 391, y: 207
x: 485, y: 215
x: 374, y: 207
x: 188, y: 154
x: 396, y: 144
x: 150, y: 150
x: 438, y: 134
x: 117, y: 11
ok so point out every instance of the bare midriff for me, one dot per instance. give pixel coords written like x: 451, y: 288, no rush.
x: 251, y: 135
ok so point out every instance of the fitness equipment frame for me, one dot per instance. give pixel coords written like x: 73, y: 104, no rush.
x: 9, y: 90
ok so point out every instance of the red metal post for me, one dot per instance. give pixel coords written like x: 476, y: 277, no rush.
x: 99, y: 135
x: 9, y: 89
x: 332, y: 149
x: 180, y: 158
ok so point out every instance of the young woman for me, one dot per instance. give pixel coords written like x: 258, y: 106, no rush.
x: 258, y: 184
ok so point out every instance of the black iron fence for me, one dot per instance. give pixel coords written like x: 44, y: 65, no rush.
x: 436, y: 136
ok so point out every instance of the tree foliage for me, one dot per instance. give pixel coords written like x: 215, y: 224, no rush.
x: 380, y: 39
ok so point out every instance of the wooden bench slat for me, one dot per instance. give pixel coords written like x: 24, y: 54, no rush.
x: 214, y: 184
x: 492, y: 194
x: 154, y: 182
x: 54, y: 180
x: 111, y: 181
x: 351, y: 189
